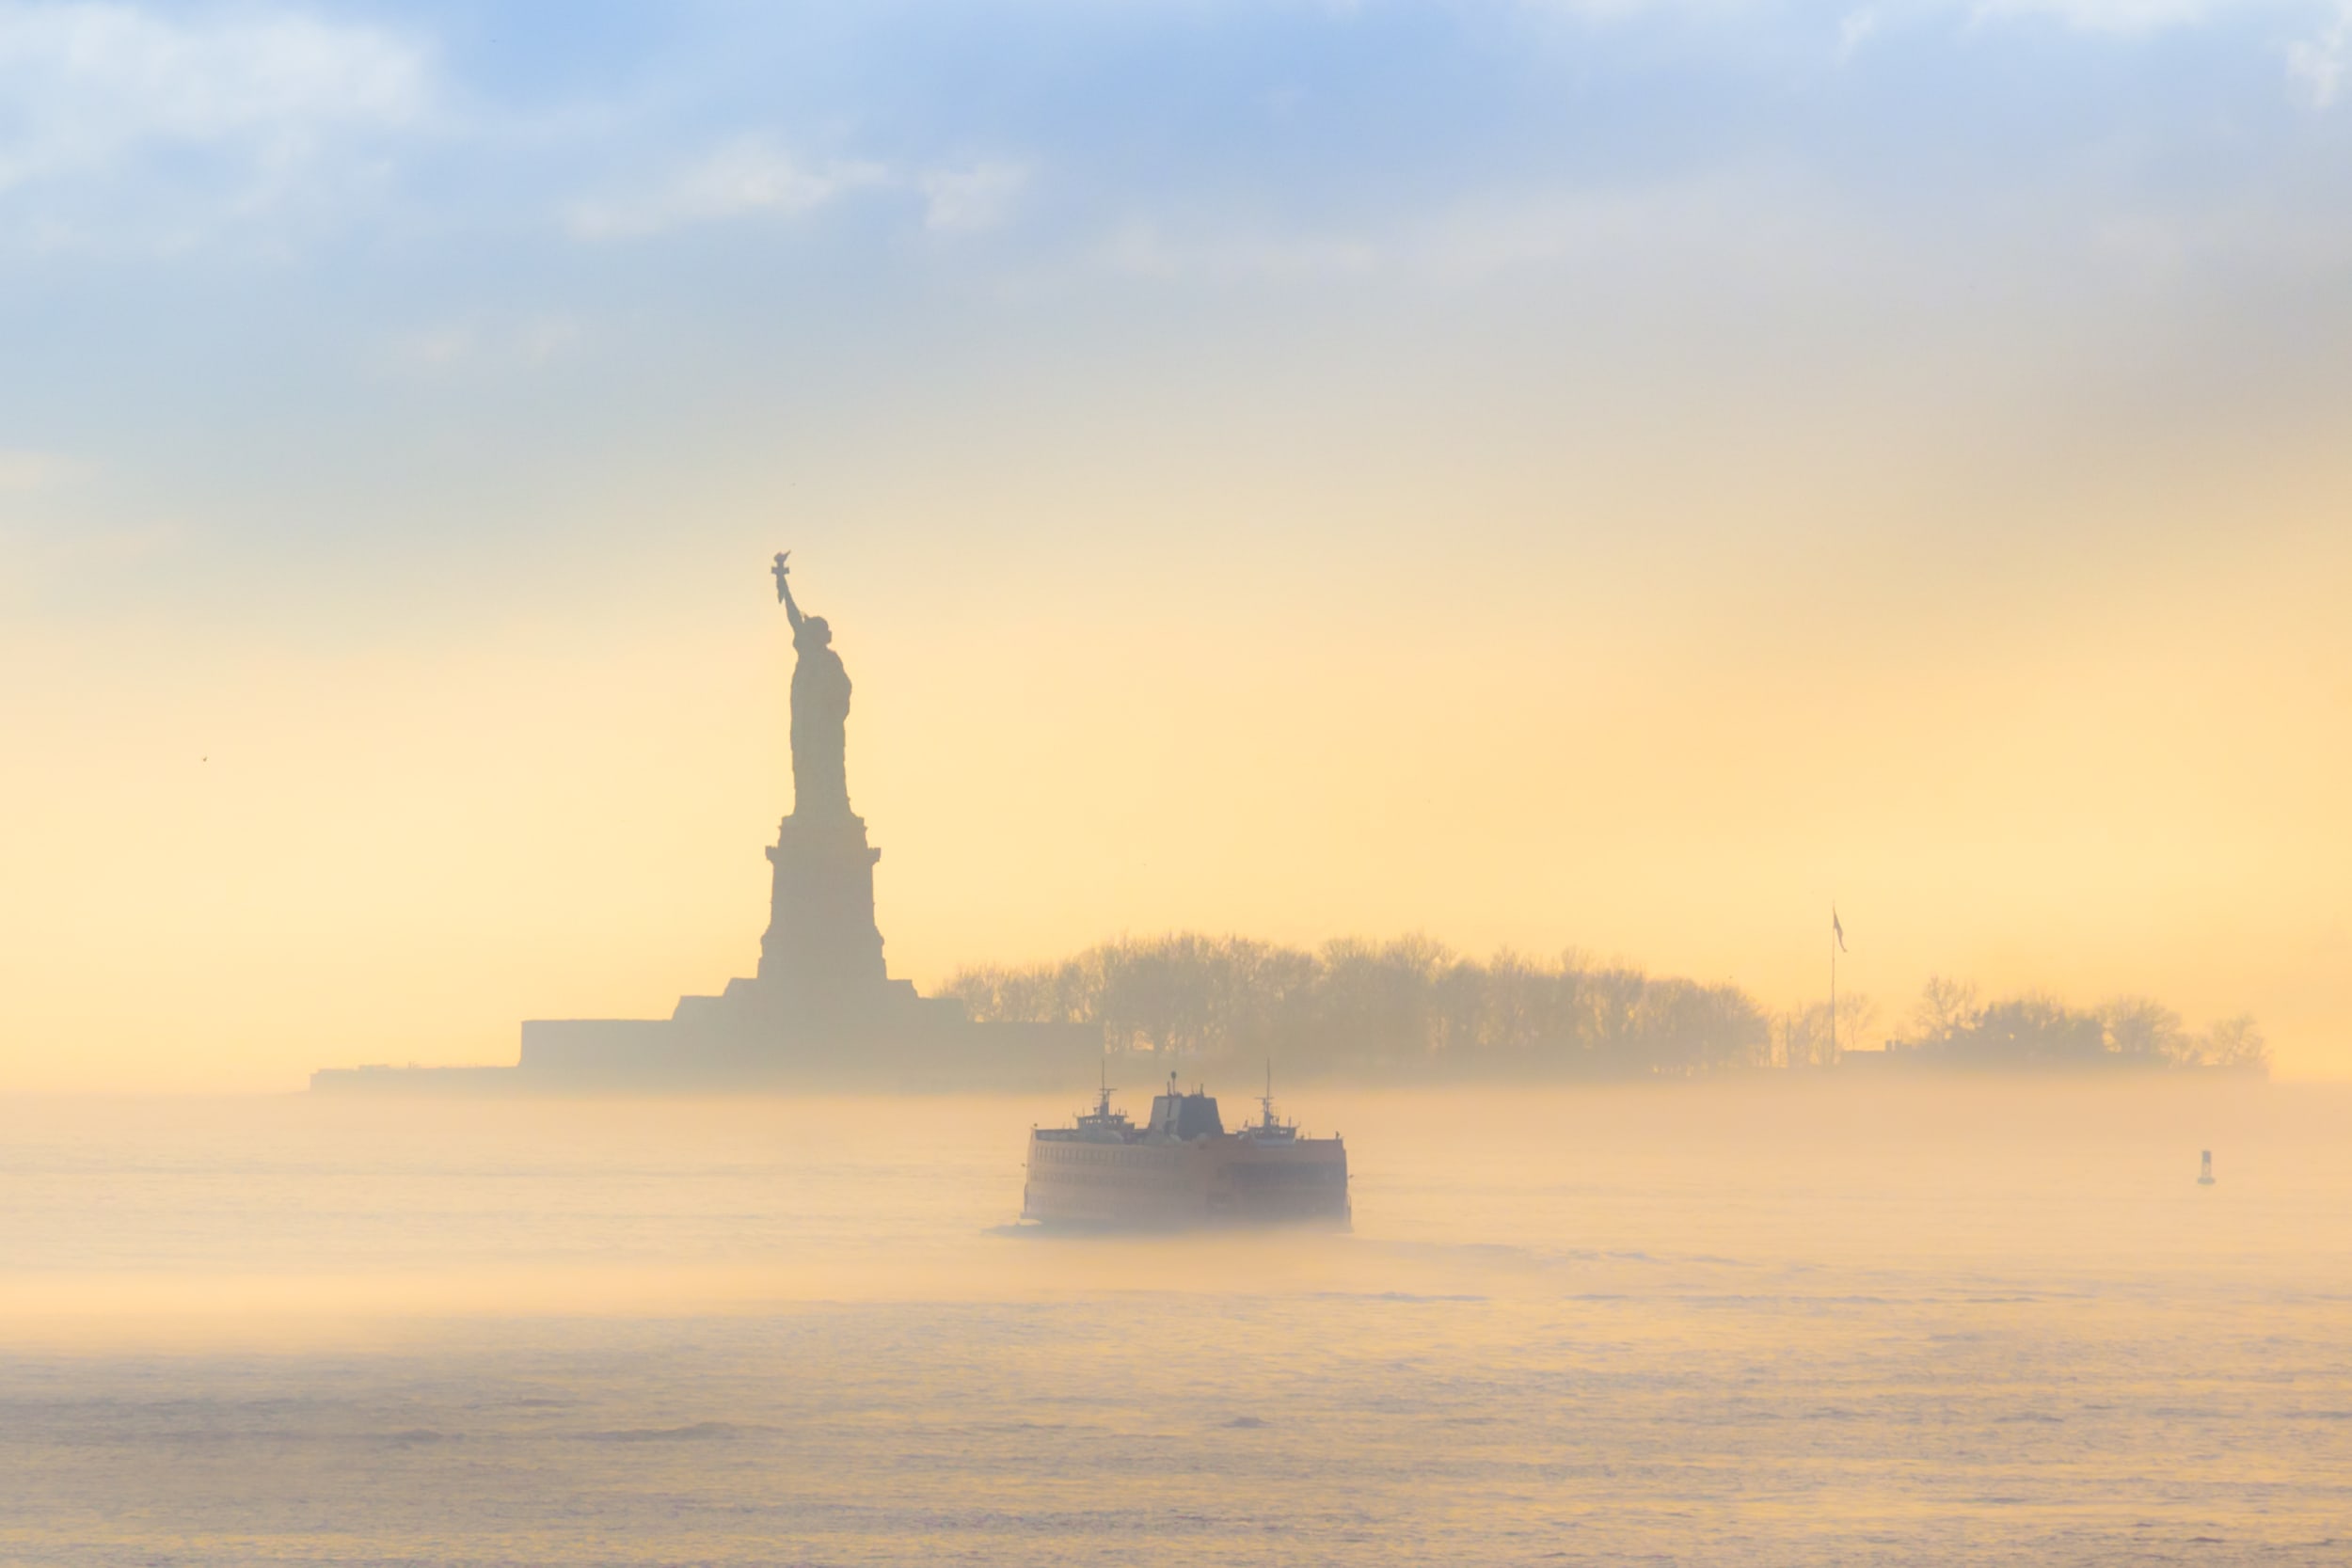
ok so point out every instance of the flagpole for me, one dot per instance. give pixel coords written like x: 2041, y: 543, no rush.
x: 1833, y: 985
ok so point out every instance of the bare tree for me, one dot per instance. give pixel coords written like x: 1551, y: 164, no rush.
x: 1801, y: 1037
x: 2139, y: 1029
x: 2235, y: 1043
x: 1946, y: 1008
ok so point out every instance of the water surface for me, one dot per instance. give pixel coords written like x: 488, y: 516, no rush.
x: 1737, y: 1324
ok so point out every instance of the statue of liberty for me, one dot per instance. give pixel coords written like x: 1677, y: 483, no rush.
x: 820, y: 711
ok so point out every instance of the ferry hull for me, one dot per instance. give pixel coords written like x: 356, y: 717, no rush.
x: 1175, y: 1186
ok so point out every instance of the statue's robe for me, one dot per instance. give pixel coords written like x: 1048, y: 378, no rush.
x: 820, y: 718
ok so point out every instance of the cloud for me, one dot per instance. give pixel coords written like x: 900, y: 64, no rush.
x: 484, y: 345
x: 2128, y: 17
x: 2315, y: 66
x: 2106, y: 16
x: 746, y: 177
x: 1854, y: 31
x: 2089, y: 16
x: 977, y: 196
x: 89, y: 86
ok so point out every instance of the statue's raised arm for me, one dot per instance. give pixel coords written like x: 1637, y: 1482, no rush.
x: 783, y: 588
x: 820, y: 711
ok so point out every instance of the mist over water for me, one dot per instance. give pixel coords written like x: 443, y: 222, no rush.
x: 1796, y: 1323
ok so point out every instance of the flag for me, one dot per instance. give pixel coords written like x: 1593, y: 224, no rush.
x: 1836, y: 929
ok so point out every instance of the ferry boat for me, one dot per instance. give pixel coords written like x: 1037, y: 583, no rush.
x: 1183, y: 1169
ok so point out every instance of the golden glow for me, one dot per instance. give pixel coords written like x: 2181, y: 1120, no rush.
x: 2082, y: 737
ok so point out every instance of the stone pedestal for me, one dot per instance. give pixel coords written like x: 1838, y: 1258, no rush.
x: 822, y: 953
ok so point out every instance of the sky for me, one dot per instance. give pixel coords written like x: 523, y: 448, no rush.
x: 1609, y: 475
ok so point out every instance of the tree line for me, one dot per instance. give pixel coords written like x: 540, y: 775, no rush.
x: 1411, y: 1008
x: 1950, y: 1025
